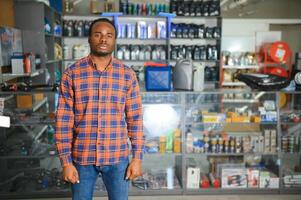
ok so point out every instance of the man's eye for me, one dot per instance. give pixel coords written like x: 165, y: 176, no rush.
x: 110, y: 36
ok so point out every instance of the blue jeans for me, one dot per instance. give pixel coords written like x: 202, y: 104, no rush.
x: 113, y: 177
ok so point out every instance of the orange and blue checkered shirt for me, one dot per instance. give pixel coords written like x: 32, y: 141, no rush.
x: 97, y: 112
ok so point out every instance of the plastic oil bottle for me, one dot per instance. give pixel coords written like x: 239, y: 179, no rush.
x: 198, y: 77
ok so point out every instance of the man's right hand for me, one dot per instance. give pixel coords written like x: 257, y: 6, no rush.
x: 70, y: 174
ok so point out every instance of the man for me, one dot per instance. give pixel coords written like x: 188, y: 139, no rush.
x: 99, y: 109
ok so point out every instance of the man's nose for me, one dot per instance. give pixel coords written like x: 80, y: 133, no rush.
x: 102, y: 39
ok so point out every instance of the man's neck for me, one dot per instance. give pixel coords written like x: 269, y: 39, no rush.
x: 101, y: 61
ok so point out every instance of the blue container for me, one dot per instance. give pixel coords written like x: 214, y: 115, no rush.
x: 57, y: 5
x: 158, y: 78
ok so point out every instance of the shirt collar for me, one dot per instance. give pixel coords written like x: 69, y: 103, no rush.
x: 91, y: 63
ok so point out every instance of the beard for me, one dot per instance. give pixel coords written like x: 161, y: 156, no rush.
x: 99, y: 53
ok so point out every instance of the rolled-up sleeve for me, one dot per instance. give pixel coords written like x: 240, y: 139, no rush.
x: 134, y: 118
x: 65, y: 120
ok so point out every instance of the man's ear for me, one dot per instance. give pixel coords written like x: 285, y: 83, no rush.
x: 89, y: 40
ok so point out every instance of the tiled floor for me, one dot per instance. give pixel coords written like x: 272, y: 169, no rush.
x: 206, y: 197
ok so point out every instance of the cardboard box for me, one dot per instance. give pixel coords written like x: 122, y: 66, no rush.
x: 264, y: 179
x: 193, y: 178
x: 247, y: 127
x: 260, y: 144
x: 273, y: 141
x: 39, y: 97
x: 246, y: 144
x: 24, y: 101
x: 28, y: 101
x: 240, y: 119
x: 267, y: 141
x: 234, y: 178
x: 253, y: 178
x: 255, y: 119
x: 268, y: 180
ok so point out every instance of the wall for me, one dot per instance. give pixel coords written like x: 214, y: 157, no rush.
x: 265, y: 9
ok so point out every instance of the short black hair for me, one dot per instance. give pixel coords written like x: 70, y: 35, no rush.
x: 102, y: 20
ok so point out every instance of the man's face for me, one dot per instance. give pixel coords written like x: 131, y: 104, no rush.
x: 102, y: 39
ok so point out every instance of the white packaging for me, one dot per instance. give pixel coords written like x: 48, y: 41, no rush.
x: 198, y: 77
x: 4, y: 121
x: 170, y: 177
x: 253, y: 178
x: 161, y: 29
x: 264, y: 179
x: 193, y: 178
x: 17, y: 65
x: 267, y: 141
x: 234, y: 178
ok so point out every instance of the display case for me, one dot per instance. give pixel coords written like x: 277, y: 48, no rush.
x: 29, y: 163
x: 224, y: 141
x: 231, y: 141
x: 290, y: 146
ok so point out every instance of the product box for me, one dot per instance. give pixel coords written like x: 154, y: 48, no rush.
x: 253, y: 178
x: 260, y: 144
x: 234, y: 178
x: 28, y: 101
x: 267, y: 141
x: 193, y: 178
x: 254, y: 143
x: 213, y: 117
x: 273, y: 136
x: 246, y: 144
x: 268, y: 180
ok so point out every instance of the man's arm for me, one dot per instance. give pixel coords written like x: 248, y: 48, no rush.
x: 65, y: 120
x: 133, y: 111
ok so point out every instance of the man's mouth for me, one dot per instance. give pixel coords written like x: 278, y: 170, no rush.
x: 102, y: 47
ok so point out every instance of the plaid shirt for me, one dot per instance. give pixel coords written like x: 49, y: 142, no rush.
x: 97, y: 113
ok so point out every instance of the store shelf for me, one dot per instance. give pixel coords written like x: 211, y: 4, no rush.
x: 38, y: 194
x: 231, y: 191
x: 53, y: 61
x: 290, y: 123
x: 139, y: 192
x: 240, y: 101
x: 286, y: 190
x: 240, y: 67
x: 199, y: 61
x: 197, y: 17
x: 195, y: 39
x: 233, y: 84
x: 7, y: 77
x: 230, y: 154
x: 232, y: 123
x: 25, y: 157
x: 9, y: 97
x: 37, y: 132
x: 290, y: 153
x: 141, y: 39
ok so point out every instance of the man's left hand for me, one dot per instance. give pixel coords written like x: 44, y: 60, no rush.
x: 134, y: 169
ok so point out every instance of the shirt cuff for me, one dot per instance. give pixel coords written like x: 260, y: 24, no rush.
x: 138, y: 155
x: 65, y: 160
